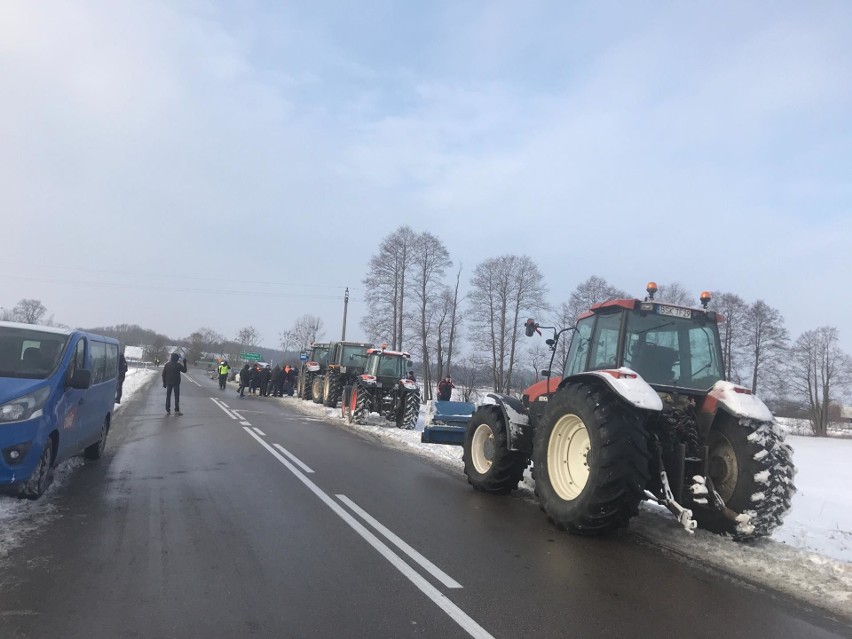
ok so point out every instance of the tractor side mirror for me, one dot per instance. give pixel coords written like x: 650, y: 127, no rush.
x: 530, y: 327
x: 550, y: 342
x: 545, y: 372
x: 409, y: 363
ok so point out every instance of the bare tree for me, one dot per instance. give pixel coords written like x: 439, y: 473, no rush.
x: 819, y: 372
x: 734, y: 309
x: 288, y: 340
x: 29, y: 311
x: 430, y: 258
x: 675, y: 293
x: 765, y: 341
x: 468, y: 377
x: 502, y: 289
x: 385, y: 286
x: 447, y: 317
x: 306, y: 330
x: 7, y: 315
x: 248, y: 336
x: 593, y: 291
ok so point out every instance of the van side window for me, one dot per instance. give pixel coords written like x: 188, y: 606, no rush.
x: 111, y: 362
x: 98, y: 362
x: 78, y: 361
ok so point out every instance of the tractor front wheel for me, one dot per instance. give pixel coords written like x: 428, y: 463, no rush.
x: 409, y: 411
x: 359, y: 404
x: 331, y: 391
x: 590, y: 460
x: 488, y: 463
x: 317, y: 388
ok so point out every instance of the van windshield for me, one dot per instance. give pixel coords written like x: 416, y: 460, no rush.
x: 29, y: 353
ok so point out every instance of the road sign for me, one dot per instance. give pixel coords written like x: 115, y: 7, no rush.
x: 303, y: 356
x: 252, y: 356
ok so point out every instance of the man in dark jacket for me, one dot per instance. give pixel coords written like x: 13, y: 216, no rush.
x: 122, y: 372
x: 171, y: 382
x: 245, y: 379
x: 265, y: 378
x: 445, y: 389
x: 277, y: 381
x: 290, y: 375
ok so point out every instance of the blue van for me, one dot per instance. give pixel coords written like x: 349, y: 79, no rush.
x: 57, y: 393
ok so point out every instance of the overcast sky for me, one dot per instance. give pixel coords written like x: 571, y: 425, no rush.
x: 185, y: 164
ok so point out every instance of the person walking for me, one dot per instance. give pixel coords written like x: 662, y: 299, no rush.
x: 445, y: 389
x: 223, y: 371
x: 122, y: 372
x: 245, y: 379
x: 171, y: 382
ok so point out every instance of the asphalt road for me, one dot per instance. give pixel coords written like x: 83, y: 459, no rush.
x: 270, y: 523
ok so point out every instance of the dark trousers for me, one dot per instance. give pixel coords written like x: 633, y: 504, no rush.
x: 118, y: 390
x: 176, y: 389
x: 288, y: 388
x: 222, y: 380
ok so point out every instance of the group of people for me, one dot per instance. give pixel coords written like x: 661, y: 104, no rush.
x: 266, y: 381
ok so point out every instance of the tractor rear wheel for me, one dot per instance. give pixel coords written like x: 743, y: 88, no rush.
x: 316, y: 388
x: 752, y: 470
x: 488, y: 463
x: 331, y: 391
x: 360, y: 403
x: 305, y: 383
x: 590, y: 460
x: 409, y: 411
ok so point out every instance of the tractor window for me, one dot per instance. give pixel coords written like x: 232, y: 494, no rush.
x: 605, y: 342
x: 354, y: 355
x: 579, y: 349
x: 391, y: 367
x: 672, y: 351
x: 320, y: 356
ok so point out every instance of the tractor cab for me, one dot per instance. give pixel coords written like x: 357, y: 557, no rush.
x: 672, y: 347
x: 387, y: 367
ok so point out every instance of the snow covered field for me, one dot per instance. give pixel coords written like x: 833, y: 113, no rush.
x: 809, y: 557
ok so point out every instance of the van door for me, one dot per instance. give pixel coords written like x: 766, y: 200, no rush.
x: 69, y: 409
x: 99, y: 398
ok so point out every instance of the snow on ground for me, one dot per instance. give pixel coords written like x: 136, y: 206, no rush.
x: 21, y: 517
x: 809, y: 557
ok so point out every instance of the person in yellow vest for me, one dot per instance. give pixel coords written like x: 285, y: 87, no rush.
x: 224, y: 369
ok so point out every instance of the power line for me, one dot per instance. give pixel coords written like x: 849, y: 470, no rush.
x: 178, y: 290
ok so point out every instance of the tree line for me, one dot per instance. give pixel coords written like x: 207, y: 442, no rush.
x: 414, y: 306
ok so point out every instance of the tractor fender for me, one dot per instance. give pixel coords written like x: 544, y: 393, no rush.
x: 516, y: 418
x: 737, y: 400
x: 625, y: 383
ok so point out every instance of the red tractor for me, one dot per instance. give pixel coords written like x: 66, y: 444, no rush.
x: 386, y: 387
x: 642, y: 412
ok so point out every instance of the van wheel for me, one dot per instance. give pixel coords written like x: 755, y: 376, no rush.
x: 97, y: 449
x: 42, y: 476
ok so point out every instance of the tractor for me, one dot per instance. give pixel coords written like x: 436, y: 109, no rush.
x: 346, y: 360
x: 385, y: 387
x: 643, y: 412
x: 312, y: 369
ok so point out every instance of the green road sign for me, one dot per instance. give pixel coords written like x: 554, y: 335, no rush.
x: 252, y: 356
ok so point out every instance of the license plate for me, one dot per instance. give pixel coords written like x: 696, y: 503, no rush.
x: 674, y: 311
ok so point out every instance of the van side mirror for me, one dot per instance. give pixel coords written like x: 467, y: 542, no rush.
x: 81, y: 379
x: 530, y: 327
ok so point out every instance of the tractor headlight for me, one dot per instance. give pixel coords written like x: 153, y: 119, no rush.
x: 25, y: 407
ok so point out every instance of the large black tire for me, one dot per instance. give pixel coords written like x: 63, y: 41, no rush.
x: 590, y: 460
x: 361, y: 402
x: 409, y: 411
x: 488, y: 463
x: 42, y: 476
x: 752, y: 470
x: 97, y: 449
x: 305, y: 383
x: 331, y: 392
x: 316, y: 388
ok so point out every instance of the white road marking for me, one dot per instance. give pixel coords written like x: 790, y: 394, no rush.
x: 258, y: 431
x: 190, y: 379
x: 246, y: 423
x: 440, y: 599
x: 223, y: 403
x: 427, y: 565
x: 226, y: 411
x: 294, y: 459
x: 240, y: 417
